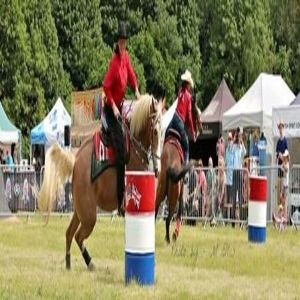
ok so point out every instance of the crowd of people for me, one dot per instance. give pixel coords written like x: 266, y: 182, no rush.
x: 225, y: 184
x: 224, y: 191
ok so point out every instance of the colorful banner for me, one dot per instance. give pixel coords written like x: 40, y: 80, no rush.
x: 86, y: 107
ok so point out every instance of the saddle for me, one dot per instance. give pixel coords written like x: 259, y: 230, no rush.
x: 173, y: 137
x: 103, y: 155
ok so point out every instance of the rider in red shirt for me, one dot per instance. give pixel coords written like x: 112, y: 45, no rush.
x: 183, y: 114
x: 114, y: 85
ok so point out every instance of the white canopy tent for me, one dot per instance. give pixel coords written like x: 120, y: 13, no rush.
x: 51, y: 129
x: 289, y: 115
x: 9, y: 133
x: 254, y: 109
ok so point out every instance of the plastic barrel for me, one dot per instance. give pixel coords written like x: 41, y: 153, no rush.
x: 140, y: 228
x: 257, y: 211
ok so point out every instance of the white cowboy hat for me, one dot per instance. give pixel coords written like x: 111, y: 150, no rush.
x: 187, y: 76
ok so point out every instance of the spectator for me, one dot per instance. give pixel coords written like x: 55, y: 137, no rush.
x: 15, y: 157
x: 255, y: 151
x: 281, y: 146
x: 285, y: 180
x: 202, y: 184
x: 1, y: 156
x: 229, y: 168
x: 221, y: 184
x: 246, y: 181
x: 220, y: 147
x: 9, y: 161
x: 211, y: 195
x: 191, y: 199
x: 280, y: 220
x: 239, y: 151
x: 262, y: 152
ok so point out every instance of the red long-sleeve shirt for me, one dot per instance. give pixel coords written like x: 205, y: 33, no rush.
x: 116, y: 78
x: 184, y: 110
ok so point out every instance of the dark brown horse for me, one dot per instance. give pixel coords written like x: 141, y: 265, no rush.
x: 170, y: 183
x: 87, y: 195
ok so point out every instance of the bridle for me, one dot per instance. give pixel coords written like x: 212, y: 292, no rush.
x: 145, y: 155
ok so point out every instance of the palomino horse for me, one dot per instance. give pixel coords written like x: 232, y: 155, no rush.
x: 172, y: 171
x: 87, y: 195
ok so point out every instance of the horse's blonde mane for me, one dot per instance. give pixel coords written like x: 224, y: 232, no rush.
x: 140, y: 114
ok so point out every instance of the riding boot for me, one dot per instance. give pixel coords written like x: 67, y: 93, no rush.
x: 120, y: 189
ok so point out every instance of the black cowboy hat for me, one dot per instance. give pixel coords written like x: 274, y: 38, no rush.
x: 122, y: 33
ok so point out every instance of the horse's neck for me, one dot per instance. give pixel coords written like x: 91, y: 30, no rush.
x: 138, y: 158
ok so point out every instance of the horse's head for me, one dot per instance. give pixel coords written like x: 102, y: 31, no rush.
x: 196, y: 115
x: 146, y: 124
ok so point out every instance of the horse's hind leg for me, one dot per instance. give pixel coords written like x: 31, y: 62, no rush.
x: 160, y: 194
x: 83, y: 233
x: 69, y: 237
x: 173, y: 195
x: 178, y: 217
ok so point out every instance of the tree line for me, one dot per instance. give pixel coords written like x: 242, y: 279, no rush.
x: 49, y: 48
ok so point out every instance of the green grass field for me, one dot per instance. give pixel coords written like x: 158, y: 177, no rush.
x: 205, y: 263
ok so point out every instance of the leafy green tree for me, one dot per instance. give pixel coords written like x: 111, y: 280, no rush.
x: 257, y: 41
x: 282, y: 64
x: 188, y: 26
x: 285, y: 15
x: 236, y: 44
x: 32, y: 73
x: 83, y: 52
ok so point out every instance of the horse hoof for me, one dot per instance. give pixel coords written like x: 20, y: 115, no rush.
x: 91, y: 267
x: 174, y: 237
x: 167, y: 240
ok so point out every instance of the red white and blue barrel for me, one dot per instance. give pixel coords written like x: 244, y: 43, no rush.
x: 257, y: 210
x: 140, y: 227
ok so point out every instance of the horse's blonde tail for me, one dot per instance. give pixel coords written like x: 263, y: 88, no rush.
x: 58, y: 168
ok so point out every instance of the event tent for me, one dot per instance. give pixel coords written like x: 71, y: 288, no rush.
x: 8, y: 132
x: 254, y: 109
x: 297, y: 100
x: 289, y: 115
x: 212, y: 116
x: 51, y: 129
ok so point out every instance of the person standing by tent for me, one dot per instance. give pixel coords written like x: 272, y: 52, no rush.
x: 1, y: 156
x: 239, y: 151
x: 229, y: 168
x: 9, y: 161
x: 220, y: 147
x: 281, y: 147
x: 120, y: 71
x: 183, y: 114
x: 262, y: 153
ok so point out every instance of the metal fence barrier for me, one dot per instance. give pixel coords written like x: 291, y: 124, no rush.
x: 217, y: 195
x: 18, y: 183
x: 294, y: 196
x: 211, y: 195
